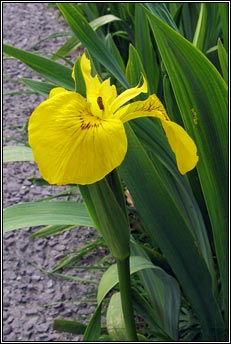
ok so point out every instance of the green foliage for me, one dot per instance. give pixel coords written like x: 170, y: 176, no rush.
x: 179, y: 262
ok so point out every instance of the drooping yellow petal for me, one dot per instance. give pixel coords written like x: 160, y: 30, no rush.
x: 70, y: 145
x: 180, y: 142
x: 182, y: 145
x: 128, y: 95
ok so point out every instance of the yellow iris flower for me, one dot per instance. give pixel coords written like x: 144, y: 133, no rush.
x: 77, y: 140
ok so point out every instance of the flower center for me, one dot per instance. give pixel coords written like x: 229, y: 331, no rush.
x: 89, y: 121
x: 100, y: 103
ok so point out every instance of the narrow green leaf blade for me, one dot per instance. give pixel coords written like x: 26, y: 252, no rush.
x: 45, y: 213
x: 145, y: 48
x: 51, y: 230
x: 166, y: 226
x: 201, y: 94
x: 91, y: 41
x: 17, y: 153
x: 50, y: 70
x: 93, y: 329
x: 224, y: 15
x: 39, y: 86
x: 69, y: 326
x: 224, y: 62
x: 163, y: 295
x: 152, y: 136
x: 161, y: 10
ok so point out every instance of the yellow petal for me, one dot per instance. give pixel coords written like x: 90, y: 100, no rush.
x: 99, y: 97
x: 93, y: 84
x: 70, y: 145
x: 128, y: 95
x: 86, y: 68
x: 56, y: 90
x: 151, y: 107
x: 182, y: 145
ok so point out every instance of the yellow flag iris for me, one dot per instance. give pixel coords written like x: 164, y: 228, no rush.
x: 77, y: 140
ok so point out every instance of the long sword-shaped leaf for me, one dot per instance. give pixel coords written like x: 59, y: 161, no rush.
x: 201, y: 94
x: 45, y: 213
x: 17, y: 153
x: 38, y: 86
x: 178, y: 186
x: 163, y: 293
x: 50, y: 70
x: 166, y: 225
x: 224, y: 61
x: 145, y: 49
x: 74, y: 42
x: 91, y: 41
x: 203, y: 38
x: 150, y: 132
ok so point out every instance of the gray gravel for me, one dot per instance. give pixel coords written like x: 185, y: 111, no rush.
x: 31, y: 298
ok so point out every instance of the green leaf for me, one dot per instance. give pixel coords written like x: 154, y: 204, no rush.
x: 103, y: 20
x: 91, y: 41
x: 74, y: 257
x: 45, y: 213
x: 161, y: 11
x: 201, y: 94
x: 148, y: 313
x: 151, y: 134
x: 163, y: 296
x: 187, y: 19
x: 110, y: 277
x: 205, y: 38
x: 223, y: 58
x: 145, y: 49
x: 53, y: 35
x: 115, y: 51
x: 50, y: 70
x: 224, y: 19
x: 134, y: 68
x: 166, y: 226
x: 115, y: 320
x: 80, y: 86
x: 38, y: 86
x: 38, y: 181
x: 93, y: 329
x: 17, y: 153
x: 74, y: 43
x: 103, y: 203
x: 69, y: 326
x: 51, y: 230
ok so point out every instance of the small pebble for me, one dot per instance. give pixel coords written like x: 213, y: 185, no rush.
x: 7, y: 330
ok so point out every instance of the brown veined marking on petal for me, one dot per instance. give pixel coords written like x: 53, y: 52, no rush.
x: 100, y: 103
x: 150, y: 107
x: 88, y: 124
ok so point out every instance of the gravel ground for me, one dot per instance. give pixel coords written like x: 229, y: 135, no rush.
x: 31, y: 298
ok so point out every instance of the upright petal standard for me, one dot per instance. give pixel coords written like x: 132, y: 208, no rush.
x: 77, y: 140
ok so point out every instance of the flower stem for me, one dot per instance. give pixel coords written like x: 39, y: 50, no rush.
x: 126, y: 298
